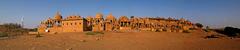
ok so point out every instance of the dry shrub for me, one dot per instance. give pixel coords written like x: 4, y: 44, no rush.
x: 186, y: 31
x: 3, y: 34
x: 94, y: 33
x: 38, y: 35
x: 12, y: 29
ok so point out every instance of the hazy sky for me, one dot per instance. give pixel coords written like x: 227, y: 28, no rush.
x: 214, y: 13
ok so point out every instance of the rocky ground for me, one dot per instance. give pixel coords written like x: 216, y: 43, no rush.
x: 120, y: 41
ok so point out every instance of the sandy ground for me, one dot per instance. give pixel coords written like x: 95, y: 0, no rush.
x: 120, y: 41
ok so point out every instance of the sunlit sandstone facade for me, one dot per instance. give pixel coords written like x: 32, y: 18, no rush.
x: 110, y: 23
x: 69, y: 24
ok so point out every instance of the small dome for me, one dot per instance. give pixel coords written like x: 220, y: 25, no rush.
x: 110, y: 16
x: 58, y: 16
x: 123, y: 18
x: 99, y: 15
x: 89, y: 18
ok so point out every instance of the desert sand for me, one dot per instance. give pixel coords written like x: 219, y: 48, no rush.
x: 120, y: 41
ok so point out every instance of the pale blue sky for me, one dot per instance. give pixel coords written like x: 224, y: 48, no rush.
x: 215, y: 13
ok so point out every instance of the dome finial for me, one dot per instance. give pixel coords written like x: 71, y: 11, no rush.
x: 58, y: 16
x: 110, y: 16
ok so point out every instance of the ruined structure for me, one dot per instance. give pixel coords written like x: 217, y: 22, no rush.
x: 110, y: 23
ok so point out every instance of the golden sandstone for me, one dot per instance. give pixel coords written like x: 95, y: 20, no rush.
x: 80, y: 24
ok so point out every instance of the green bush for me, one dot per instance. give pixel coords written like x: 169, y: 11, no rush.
x: 2, y: 34
x: 94, y: 33
x: 231, y: 31
x: 199, y: 25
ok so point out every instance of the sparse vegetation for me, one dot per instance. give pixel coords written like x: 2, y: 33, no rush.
x: 2, y: 34
x: 186, y: 31
x: 38, y: 35
x: 33, y: 30
x: 214, y: 36
x: 94, y: 33
x: 231, y: 31
x: 12, y: 29
x: 207, y: 29
x: 192, y: 28
x: 199, y: 25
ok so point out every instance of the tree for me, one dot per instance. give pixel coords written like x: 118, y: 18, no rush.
x: 207, y: 27
x: 230, y: 31
x: 12, y: 25
x: 199, y: 25
x: 132, y: 17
